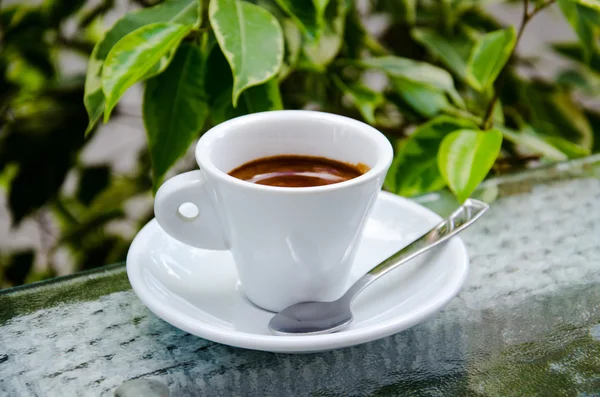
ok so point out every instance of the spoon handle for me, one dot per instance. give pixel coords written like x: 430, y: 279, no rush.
x: 458, y: 221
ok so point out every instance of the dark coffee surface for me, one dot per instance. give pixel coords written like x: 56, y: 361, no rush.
x: 297, y: 171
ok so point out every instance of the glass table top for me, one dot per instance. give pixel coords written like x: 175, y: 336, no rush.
x: 526, y: 323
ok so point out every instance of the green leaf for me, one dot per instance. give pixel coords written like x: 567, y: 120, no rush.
x: 594, y: 120
x: 260, y: 98
x: 219, y: 83
x: 365, y: 99
x: 58, y: 10
x: 488, y: 57
x: 7, y: 175
x: 92, y: 181
x: 553, y: 112
x: 577, y: 53
x: 581, y: 79
x: 585, y: 22
x: 17, y: 266
x: 175, y: 108
x: 251, y: 39
x: 595, y: 4
x: 465, y: 157
x: 93, y: 97
x: 111, y: 199
x: 222, y: 108
x: 263, y: 97
x: 424, y: 99
x: 42, y: 140
x: 401, y: 11
x: 308, y: 15
x: 25, y: 35
x: 532, y: 142
x: 355, y: 34
x: 414, y: 169
x: 570, y: 149
x: 319, y: 52
x: 452, y: 51
x: 410, y: 11
x: 479, y: 19
x: 137, y: 56
x: 293, y: 45
x: 418, y: 73
x: 320, y: 7
x: 186, y: 12
x: 498, y: 113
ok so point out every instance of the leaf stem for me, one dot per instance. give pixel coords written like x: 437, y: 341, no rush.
x: 524, y: 20
x: 64, y: 212
x: 527, y: 16
x: 452, y: 111
x: 485, y: 124
x: 375, y: 47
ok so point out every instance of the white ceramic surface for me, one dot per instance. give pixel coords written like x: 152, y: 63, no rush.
x: 290, y: 245
x: 197, y: 290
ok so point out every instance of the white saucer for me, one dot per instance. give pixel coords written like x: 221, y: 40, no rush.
x: 197, y: 290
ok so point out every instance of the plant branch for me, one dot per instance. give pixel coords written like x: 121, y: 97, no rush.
x: 64, y: 212
x: 525, y: 19
x: 541, y: 7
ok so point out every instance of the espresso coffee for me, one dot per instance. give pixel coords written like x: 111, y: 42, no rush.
x: 297, y: 171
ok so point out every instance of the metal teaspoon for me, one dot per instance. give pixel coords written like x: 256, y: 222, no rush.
x: 314, y: 318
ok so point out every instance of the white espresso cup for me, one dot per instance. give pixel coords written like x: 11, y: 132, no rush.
x: 289, y: 245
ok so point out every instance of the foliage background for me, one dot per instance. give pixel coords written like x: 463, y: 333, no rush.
x: 83, y: 210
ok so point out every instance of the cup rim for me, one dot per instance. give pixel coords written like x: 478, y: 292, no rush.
x: 383, y: 144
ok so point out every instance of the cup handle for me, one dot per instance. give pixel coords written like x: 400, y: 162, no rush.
x: 184, y: 210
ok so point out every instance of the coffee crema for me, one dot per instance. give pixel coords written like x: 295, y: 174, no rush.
x: 297, y: 171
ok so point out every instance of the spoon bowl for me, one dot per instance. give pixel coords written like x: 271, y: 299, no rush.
x: 312, y: 318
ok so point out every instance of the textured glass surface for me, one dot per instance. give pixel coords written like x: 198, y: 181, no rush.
x: 527, y: 322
